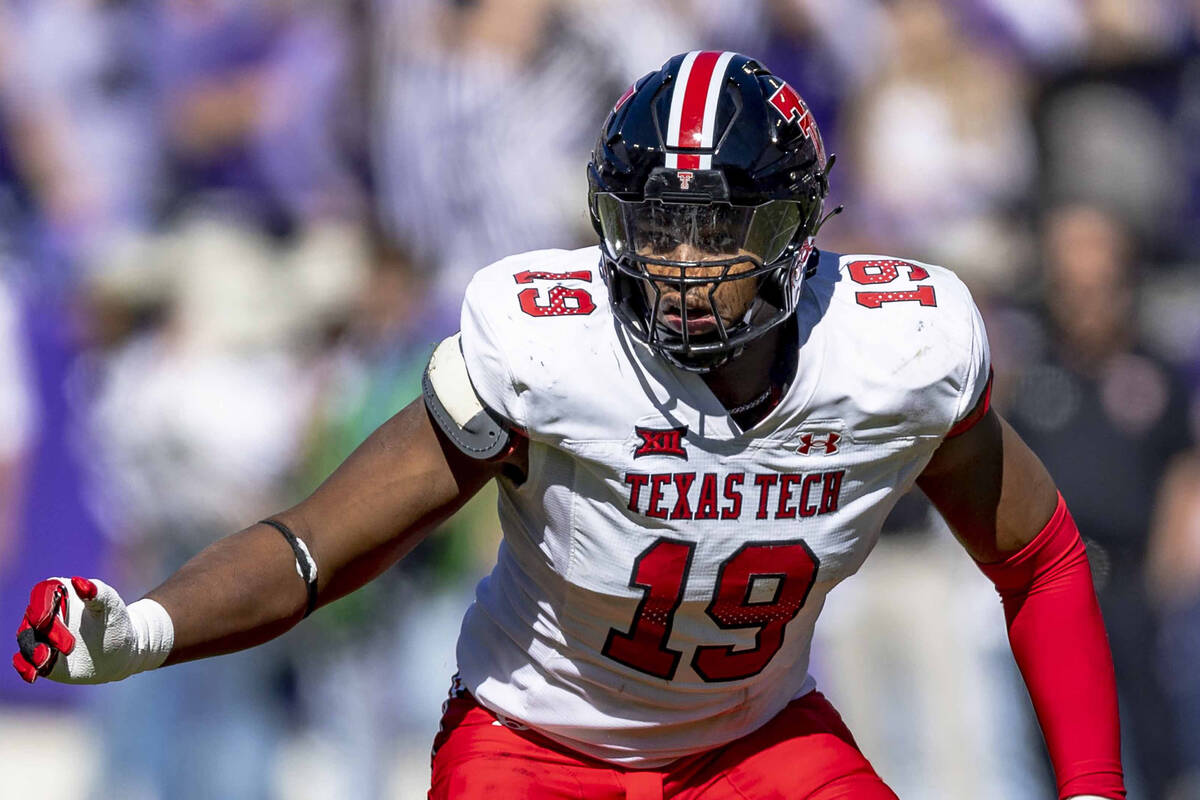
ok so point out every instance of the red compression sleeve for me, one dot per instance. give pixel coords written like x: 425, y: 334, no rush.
x: 1058, y: 640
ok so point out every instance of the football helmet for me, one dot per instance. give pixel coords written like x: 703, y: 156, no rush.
x: 706, y: 187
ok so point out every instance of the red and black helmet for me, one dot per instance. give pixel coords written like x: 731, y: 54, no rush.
x: 714, y: 151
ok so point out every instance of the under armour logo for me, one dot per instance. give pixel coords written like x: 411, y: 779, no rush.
x: 827, y: 446
x: 658, y: 442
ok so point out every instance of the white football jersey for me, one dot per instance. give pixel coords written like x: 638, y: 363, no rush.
x: 662, y: 569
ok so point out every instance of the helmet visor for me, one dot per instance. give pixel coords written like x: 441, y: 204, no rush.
x: 690, y: 232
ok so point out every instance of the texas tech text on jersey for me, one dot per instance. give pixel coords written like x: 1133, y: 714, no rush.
x: 686, y: 495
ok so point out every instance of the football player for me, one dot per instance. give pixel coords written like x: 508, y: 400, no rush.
x: 698, y: 428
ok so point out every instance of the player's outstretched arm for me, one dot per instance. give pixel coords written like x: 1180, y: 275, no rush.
x: 1004, y: 508
x: 245, y: 589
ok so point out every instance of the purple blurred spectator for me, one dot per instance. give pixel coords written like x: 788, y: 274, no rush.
x: 254, y: 95
x: 85, y: 64
x: 1106, y: 416
x: 1174, y: 576
x: 18, y: 421
x: 485, y: 112
x: 937, y: 148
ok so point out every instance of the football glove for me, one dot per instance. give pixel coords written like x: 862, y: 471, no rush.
x: 81, y: 631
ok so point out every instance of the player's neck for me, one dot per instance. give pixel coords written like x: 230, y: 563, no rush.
x: 757, y: 377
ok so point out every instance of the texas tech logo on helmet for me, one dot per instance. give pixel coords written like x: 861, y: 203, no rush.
x: 788, y: 103
x: 628, y: 94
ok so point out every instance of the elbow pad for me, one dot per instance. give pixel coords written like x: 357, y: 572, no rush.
x: 474, y: 428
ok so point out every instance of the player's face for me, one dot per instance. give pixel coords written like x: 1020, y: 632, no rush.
x: 730, y: 300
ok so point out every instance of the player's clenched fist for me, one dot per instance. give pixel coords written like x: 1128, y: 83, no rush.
x: 81, y: 631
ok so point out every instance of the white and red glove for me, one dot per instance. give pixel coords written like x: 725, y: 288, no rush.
x: 81, y: 631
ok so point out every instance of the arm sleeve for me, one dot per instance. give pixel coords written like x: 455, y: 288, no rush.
x: 1059, y: 643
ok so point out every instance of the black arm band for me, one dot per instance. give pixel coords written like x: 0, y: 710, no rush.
x: 305, y: 565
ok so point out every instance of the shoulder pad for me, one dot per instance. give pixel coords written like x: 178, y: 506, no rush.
x: 453, y: 403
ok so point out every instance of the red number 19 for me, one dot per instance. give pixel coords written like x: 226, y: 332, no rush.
x: 785, y: 571
x: 561, y: 301
x: 877, y: 271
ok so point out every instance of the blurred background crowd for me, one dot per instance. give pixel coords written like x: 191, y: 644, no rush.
x: 231, y: 231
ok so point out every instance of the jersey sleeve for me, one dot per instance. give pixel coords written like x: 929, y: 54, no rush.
x: 487, y: 333
x: 534, y: 327
x: 908, y: 345
x: 976, y: 379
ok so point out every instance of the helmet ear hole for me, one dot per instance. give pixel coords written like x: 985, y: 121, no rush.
x: 773, y: 289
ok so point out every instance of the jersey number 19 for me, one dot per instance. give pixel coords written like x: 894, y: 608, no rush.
x: 762, y: 585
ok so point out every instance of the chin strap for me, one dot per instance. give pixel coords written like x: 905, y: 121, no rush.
x: 811, y: 263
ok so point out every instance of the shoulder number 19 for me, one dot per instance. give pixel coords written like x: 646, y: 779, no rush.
x: 881, y: 271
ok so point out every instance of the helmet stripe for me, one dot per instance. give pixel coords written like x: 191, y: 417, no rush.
x: 694, y: 102
x: 695, y: 97
x: 711, y: 101
x: 677, y: 93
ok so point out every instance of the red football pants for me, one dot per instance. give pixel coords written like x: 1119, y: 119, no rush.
x: 804, y: 753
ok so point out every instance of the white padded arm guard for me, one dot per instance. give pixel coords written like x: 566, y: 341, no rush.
x: 452, y: 402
